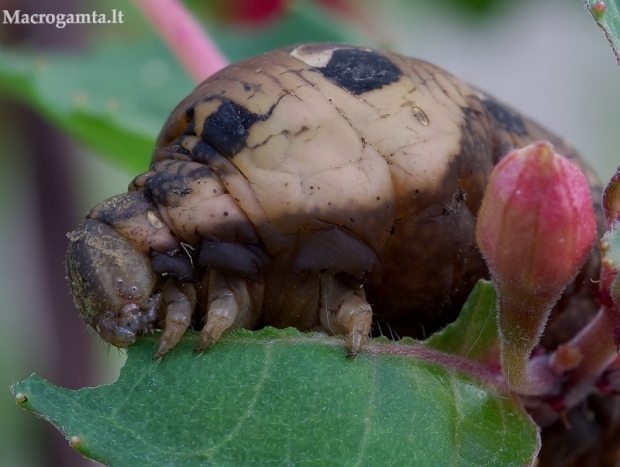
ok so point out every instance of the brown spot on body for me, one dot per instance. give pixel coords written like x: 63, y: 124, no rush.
x: 420, y: 116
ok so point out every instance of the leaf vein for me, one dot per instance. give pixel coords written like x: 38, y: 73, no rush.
x: 250, y: 410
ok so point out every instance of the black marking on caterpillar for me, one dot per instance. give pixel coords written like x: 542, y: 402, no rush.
x: 505, y: 118
x: 359, y: 70
x: 227, y: 128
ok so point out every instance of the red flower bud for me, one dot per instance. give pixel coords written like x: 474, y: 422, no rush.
x: 535, y: 229
x: 536, y: 224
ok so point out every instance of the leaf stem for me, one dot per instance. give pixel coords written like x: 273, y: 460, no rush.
x: 485, y: 373
x: 180, y: 30
x: 598, y: 349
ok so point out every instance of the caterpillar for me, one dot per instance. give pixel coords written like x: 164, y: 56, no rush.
x: 297, y: 188
x: 321, y: 186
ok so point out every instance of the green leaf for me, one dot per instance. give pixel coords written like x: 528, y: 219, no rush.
x: 280, y: 397
x: 607, y: 16
x: 114, y: 99
x: 474, y: 334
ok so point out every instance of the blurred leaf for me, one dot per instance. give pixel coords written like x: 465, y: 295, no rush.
x: 114, y: 99
x: 607, y: 16
x: 474, y: 334
x: 303, y: 22
x: 472, y: 12
x: 476, y: 6
x: 280, y: 397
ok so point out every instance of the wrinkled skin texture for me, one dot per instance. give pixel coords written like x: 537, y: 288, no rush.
x: 322, y: 187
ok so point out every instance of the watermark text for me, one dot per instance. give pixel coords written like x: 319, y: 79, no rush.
x: 62, y: 20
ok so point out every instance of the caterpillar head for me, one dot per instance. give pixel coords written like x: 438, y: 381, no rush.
x: 112, y: 282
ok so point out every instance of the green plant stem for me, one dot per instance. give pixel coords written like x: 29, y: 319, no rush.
x: 521, y: 323
x: 194, y: 49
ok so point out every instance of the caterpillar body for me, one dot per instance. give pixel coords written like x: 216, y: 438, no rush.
x: 320, y: 186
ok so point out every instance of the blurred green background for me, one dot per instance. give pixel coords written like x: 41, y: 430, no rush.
x: 113, y: 86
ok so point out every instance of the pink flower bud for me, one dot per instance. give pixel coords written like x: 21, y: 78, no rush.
x: 535, y: 229
x: 536, y: 224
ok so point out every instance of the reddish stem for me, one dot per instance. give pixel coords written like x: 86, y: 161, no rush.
x: 178, y: 28
x: 485, y: 373
x: 597, y: 346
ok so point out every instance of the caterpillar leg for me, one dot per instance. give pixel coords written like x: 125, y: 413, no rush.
x: 230, y: 305
x: 179, y: 301
x: 344, y: 310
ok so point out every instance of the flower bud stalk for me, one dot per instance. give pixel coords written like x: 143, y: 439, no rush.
x: 521, y: 323
x: 535, y: 229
